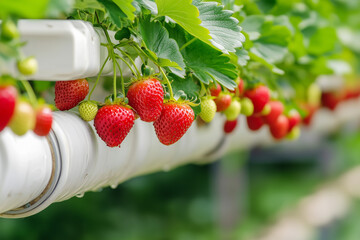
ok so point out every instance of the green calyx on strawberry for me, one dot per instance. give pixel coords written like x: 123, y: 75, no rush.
x: 233, y: 111
x: 44, y: 120
x: 146, y: 97
x: 88, y: 110
x: 175, y: 119
x: 68, y: 94
x: 208, y: 109
x: 24, y: 118
x: 259, y: 96
x: 113, y: 122
x: 8, y: 96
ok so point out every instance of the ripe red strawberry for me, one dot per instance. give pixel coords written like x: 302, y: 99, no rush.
x: 254, y: 122
x: 223, y: 101
x: 239, y: 89
x: 276, y: 109
x: 215, y: 90
x: 69, y: 93
x: 330, y: 100
x: 146, y: 97
x: 174, y: 121
x: 260, y: 96
x: 279, y: 128
x: 229, y: 126
x: 113, y: 123
x: 43, y: 121
x: 8, y: 95
x: 294, y: 119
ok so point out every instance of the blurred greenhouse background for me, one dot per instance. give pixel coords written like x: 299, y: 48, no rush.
x: 240, y: 197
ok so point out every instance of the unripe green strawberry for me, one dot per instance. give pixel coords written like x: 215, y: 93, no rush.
x: 294, y: 133
x: 266, y: 110
x: 88, y: 110
x: 247, y: 107
x: 23, y: 119
x: 208, y: 109
x: 233, y: 111
x: 9, y: 30
x: 314, y: 95
x: 27, y: 66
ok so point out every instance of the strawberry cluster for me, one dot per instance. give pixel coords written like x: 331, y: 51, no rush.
x: 114, y: 119
x: 258, y: 107
x: 21, y: 116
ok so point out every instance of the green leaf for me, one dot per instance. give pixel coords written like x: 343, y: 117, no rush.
x: 210, y: 65
x: 186, y: 15
x: 57, y: 7
x: 188, y: 85
x: 122, y: 33
x: 242, y: 56
x: 271, y: 34
x: 148, y: 4
x: 114, y: 11
x: 126, y: 7
x: 23, y: 8
x: 88, y: 4
x: 156, y: 39
x: 252, y: 26
x: 272, y: 67
x: 323, y: 41
x: 270, y: 40
x: 8, y: 51
x: 223, y: 28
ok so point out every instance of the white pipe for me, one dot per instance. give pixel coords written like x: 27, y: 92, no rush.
x: 80, y: 161
x: 85, y: 163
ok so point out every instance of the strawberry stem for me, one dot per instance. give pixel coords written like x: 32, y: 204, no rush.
x: 167, y: 82
x: 187, y: 44
x: 122, y: 79
x: 132, y: 61
x: 112, y: 56
x: 132, y: 70
x: 30, y: 92
x: 98, y: 77
x: 139, y: 52
x: 114, y: 79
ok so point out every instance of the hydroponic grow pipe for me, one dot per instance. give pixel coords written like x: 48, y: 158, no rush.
x: 36, y: 172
